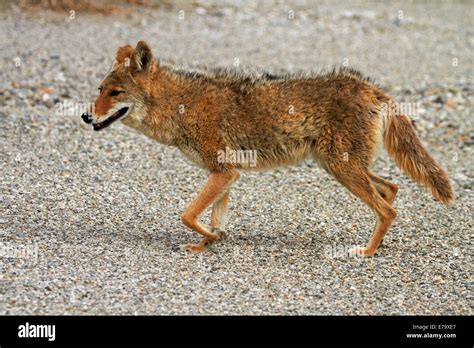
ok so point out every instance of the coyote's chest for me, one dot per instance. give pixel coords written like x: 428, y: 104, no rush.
x: 193, y: 155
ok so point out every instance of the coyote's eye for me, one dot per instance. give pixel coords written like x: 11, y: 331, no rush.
x: 100, y: 89
x: 115, y: 93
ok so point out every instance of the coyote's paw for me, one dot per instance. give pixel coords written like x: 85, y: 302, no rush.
x: 205, y: 243
x: 220, y: 233
x: 361, y: 251
x: 194, y: 248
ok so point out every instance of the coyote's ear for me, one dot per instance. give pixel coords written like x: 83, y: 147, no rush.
x: 124, y: 54
x: 142, y: 58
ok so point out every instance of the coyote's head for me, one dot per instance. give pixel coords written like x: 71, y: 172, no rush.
x: 126, y: 88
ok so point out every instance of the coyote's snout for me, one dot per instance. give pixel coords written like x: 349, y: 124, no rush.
x: 218, y: 118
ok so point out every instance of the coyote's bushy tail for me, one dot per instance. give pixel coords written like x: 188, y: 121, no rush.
x: 403, y: 145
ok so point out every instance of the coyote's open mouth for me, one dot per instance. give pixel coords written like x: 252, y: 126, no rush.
x: 111, y: 119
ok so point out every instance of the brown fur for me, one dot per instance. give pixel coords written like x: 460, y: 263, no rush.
x: 123, y: 53
x: 336, y: 118
x: 410, y: 155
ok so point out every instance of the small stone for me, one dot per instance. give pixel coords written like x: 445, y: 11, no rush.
x: 450, y: 103
x: 439, y: 99
x: 200, y: 11
x: 47, y: 100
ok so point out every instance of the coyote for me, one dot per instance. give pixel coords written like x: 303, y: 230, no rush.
x: 339, y: 119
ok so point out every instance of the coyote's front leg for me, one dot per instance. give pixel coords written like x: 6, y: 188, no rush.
x: 215, y: 190
x: 219, y: 209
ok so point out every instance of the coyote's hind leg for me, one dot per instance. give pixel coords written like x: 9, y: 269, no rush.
x: 388, y: 190
x: 357, y: 180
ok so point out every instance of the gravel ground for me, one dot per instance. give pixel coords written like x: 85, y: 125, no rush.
x: 98, y: 214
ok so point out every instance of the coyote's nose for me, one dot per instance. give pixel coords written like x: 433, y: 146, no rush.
x: 86, y: 117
